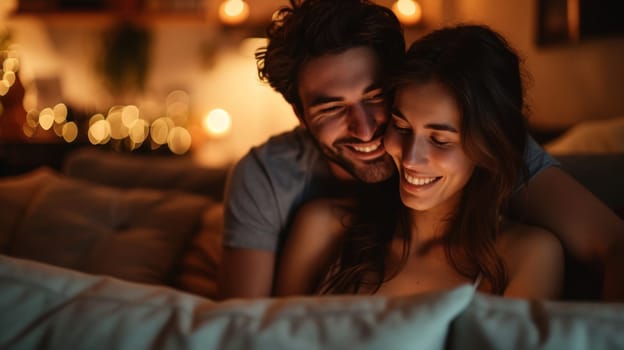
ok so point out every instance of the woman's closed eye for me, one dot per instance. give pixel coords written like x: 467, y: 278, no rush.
x: 438, y: 141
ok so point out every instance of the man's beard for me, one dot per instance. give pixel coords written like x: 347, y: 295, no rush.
x: 371, y: 171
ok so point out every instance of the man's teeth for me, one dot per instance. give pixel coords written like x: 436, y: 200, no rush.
x: 419, y: 181
x: 366, y: 149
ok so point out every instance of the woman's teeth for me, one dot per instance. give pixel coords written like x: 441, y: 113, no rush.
x: 419, y: 181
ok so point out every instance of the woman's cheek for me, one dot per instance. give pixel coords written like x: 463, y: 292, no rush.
x: 392, y: 142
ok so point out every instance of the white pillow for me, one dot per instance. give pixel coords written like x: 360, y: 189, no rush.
x: 46, y: 305
x: 492, y: 322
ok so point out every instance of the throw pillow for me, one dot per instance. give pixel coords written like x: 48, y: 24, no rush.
x: 134, y: 234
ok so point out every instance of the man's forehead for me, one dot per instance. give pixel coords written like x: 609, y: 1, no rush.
x: 354, y: 70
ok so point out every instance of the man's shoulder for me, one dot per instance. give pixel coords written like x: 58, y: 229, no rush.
x: 292, y: 150
x: 289, y: 142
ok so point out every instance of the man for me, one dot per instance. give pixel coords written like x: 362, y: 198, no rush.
x: 328, y: 58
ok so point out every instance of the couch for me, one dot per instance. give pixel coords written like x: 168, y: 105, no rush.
x: 121, y: 252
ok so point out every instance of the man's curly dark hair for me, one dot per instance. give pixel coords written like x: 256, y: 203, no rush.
x: 312, y: 28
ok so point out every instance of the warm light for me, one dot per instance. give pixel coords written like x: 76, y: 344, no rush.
x: 99, y: 132
x: 159, y: 130
x: 129, y: 115
x: 138, y: 131
x: 9, y: 77
x: 179, y: 140
x: 58, y: 129
x: 70, y: 131
x: 4, y: 87
x: 408, y: 11
x: 46, y: 118
x: 32, y: 118
x: 233, y: 11
x: 177, y: 106
x: 118, y: 130
x: 217, y: 122
x: 28, y: 130
x: 60, y: 113
x: 10, y: 64
x: 96, y: 118
x: 178, y: 112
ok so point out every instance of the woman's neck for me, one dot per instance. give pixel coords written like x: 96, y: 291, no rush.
x: 427, y: 226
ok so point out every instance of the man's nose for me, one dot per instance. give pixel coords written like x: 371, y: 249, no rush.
x: 362, y: 123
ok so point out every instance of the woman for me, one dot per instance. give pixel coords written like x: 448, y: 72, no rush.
x: 457, y: 136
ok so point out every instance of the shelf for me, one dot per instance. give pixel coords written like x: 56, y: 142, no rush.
x: 107, y: 17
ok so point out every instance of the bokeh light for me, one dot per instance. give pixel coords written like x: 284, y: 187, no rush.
x: 408, y: 12
x: 217, y: 122
x: 179, y: 140
x: 46, y: 118
x: 233, y: 11
x: 70, y: 132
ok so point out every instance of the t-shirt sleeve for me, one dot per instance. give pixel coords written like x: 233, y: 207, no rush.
x: 537, y: 159
x: 251, y: 210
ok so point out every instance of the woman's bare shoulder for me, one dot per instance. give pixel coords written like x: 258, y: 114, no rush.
x: 534, y: 261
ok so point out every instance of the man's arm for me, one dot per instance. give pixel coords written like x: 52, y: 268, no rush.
x: 587, y: 228
x: 250, y: 233
x: 245, y: 273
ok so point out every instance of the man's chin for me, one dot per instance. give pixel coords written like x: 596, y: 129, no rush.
x: 373, y: 172
x: 368, y: 171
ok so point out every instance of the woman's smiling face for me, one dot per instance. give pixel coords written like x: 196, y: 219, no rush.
x: 424, y: 140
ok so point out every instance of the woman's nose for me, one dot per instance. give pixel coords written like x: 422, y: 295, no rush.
x: 416, y: 150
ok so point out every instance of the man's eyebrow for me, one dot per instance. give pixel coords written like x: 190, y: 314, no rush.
x: 322, y: 99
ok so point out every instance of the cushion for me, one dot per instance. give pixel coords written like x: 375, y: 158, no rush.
x: 145, y: 171
x: 590, y: 137
x: 16, y: 192
x: 45, y: 305
x: 200, y: 262
x: 492, y: 322
x: 134, y: 234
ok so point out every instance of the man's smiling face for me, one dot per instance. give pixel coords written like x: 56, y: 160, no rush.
x: 344, y: 110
